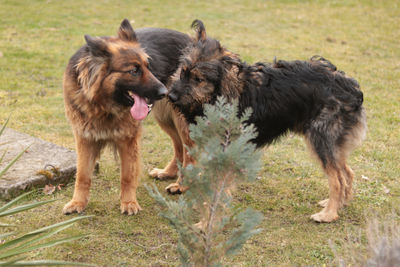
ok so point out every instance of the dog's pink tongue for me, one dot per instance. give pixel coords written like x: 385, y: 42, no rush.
x: 139, y: 110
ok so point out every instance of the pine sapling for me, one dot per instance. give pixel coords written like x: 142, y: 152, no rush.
x: 209, y: 226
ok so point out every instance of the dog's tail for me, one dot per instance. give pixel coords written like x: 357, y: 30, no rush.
x: 324, y: 62
x: 345, y: 88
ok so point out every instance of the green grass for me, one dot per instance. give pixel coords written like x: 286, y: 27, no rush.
x: 360, y: 37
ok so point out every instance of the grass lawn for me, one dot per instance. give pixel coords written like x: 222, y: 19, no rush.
x: 360, y: 37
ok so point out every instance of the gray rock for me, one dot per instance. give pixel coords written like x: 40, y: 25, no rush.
x: 43, y: 163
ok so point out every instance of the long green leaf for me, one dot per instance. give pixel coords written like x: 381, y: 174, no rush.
x: 2, y: 156
x: 15, y: 241
x: 61, y: 224
x: 45, y: 263
x: 4, y: 125
x: 25, y: 207
x: 13, y: 161
x: 39, y: 231
x: 44, y: 245
x: 11, y: 262
x: 15, y: 200
x: 5, y: 143
x: 6, y: 234
x: 42, y: 237
x: 6, y: 225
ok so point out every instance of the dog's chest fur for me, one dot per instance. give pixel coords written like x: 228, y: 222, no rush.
x: 99, y: 123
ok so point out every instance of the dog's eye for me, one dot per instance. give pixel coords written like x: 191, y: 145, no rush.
x: 198, y: 79
x: 135, y: 71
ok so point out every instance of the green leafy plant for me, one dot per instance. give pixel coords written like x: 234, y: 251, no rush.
x: 12, y: 250
x: 208, y: 224
x: 3, y: 171
x: 14, y: 246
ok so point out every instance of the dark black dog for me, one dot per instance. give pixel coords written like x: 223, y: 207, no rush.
x: 311, y: 98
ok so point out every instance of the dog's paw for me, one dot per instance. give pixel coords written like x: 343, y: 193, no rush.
x: 324, y: 217
x: 324, y: 203
x: 130, y: 208
x: 74, y: 206
x: 176, y: 188
x: 161, y: 174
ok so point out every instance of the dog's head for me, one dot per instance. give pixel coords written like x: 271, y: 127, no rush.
x: 206, y: 71
x: 116, y: 69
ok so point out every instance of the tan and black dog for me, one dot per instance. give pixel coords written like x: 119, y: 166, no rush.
x: 311, y: 98
x: 109, y: 85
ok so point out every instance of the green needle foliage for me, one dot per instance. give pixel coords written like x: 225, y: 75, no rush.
x: 208, y: 224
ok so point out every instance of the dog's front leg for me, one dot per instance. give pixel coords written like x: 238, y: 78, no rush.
x: 130, y: 170
x: 87, y: 151
x: 177, y: 187
x: 167, y: 118
x: 171, y: 170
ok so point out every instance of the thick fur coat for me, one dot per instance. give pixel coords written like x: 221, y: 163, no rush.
x: 311, y: 98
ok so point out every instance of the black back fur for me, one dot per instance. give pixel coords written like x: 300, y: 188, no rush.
x: 293, y: 94
x: 310, y: 97
x: 165, y: 48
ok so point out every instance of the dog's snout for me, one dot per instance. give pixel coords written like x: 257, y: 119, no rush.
x: 162, y: 92
x: 172, y: 97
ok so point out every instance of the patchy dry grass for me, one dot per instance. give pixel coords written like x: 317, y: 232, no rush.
x: 360, y: 37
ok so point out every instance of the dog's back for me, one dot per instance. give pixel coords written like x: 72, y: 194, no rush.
x: 164, y: 47
x: 323, y: 74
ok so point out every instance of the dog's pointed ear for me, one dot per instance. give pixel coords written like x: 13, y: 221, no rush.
x: 97, y: 46
x: 200, y: 30
x: 126, y: 31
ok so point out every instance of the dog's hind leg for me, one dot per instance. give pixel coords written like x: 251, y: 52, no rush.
x: 332, y: 137
x: 349, y: 184
x: 321, y: 138
x: 348, y: 174
x: 348, y: 191
x: 340, y: 177
x: 87, y: 151
x: 337, y: 185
